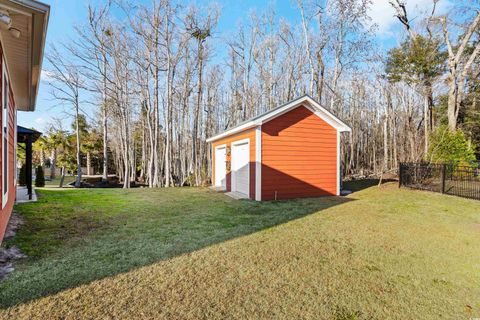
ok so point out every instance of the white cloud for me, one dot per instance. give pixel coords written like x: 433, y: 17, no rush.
x: 46, y: 75
x: 40, y: 121
x: 383, y: 15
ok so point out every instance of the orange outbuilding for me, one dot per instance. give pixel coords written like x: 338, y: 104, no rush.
x: 292, y: 151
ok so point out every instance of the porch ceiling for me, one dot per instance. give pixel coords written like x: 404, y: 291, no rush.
x: 24, y: 54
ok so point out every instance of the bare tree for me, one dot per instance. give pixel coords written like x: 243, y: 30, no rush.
x: 459, y: 63
x: 66, y: 83
x: 158, y: 91
x: 200, y: 31
x: 305, y: 27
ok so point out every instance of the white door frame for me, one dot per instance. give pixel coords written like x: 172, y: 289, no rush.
x: 222, y: 146
x: 258, y: 163
x: 5, y: 139
x: 233, y: 182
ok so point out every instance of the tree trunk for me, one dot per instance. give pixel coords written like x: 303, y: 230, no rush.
x: 105, y: 122
x: 385, y: 145
x: 168, y: 124
x: 452, y: 100
x: 89, y: 164
x: 197, y: 112
x: 77, y: 129
x: 307, y: 46
x: 42, y: 157
x: 62, y: 179
x: 53, y: 162
x: 426, y: 122
x: 320, y: 76
x: 156, y: 130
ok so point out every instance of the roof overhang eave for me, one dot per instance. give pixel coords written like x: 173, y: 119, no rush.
x: 39, y: 13
x: 246, y: 126
x: 306, y: 100
x: 39, y: 53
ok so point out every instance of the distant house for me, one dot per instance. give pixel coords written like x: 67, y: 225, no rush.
x: 292, y: 151
x: 23, y: 27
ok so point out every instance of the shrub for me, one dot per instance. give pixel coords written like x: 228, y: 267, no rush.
x: 40, y: 177
x: 450, y: 147
x: 22, y: 176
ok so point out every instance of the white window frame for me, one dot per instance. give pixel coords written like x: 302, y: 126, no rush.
x: 15, y: 173
x: 5, y: 165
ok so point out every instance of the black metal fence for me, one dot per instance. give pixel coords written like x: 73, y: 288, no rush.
x: 454, y: 180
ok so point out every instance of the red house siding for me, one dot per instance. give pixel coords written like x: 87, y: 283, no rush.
x: 7, y: 210
x: 250, y: 134
x: 299, y: 156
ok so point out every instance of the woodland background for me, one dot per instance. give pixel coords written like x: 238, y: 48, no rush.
x: 158, y: 91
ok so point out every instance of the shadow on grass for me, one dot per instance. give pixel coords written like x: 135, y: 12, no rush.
x: 78, y: 236
x: 359, y: 185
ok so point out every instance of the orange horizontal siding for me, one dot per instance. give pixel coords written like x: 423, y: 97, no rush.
x: 315, y: 176
x: 314, y: 146
x: 310, y: 136
x: 299, y: 156
x: 292, y: 154
x: 6, y: 212
x: 312, y: 141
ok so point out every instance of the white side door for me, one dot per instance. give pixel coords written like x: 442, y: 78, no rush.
x: 221, y: 167
x: 241, y: 167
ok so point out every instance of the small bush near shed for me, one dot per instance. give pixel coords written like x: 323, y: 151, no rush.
x: 40, y: 177
x: 22, y: 177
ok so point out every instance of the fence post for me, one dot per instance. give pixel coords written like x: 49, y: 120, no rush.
x: 443, y: 173
x: 400, y: 174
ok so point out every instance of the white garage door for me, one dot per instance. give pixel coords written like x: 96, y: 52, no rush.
x: 220, y: 167
x: 240, y: 168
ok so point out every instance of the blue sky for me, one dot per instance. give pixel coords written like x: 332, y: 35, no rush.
x: 66, y: 13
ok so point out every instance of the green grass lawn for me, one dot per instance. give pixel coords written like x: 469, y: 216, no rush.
x: 192, y: 253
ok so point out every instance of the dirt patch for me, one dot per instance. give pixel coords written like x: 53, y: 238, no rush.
x: 79, y: 227
x: 9, y: 255
x: 13, y: 225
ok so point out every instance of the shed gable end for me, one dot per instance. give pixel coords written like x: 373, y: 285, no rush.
x: 299, y: 156
x: 297, y: 115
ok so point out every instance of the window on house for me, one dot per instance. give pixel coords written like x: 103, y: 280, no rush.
x: 5, y: 93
